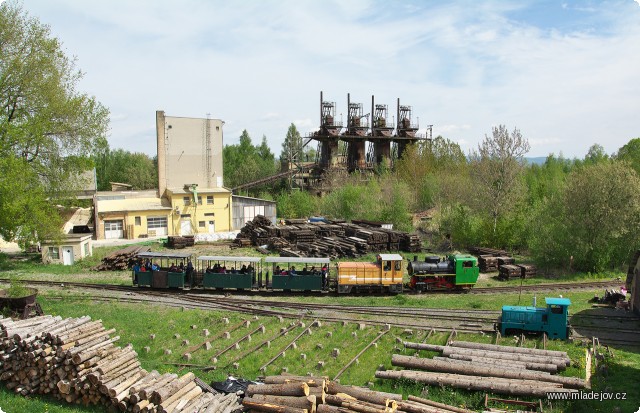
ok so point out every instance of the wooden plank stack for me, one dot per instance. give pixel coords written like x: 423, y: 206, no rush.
x: 487, y: 367
x: 76, y: 360
x: 320, y: 239
x: 179, y: 242
x: 120, y: 260
x: 508, y: 272
x: 488, y: 263
x: 307, y: 394
x: 527, y: 270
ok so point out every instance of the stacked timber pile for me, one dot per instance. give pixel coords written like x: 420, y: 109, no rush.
x: 120, y: 260
x: 509, y: 271
x: 489, y: 251
x: 305, y: 394
x: 319, y: 239
x: 75, y: 359
x: 506, y: 260
x: 487, y: 367
x: 527, y: 270
x: 179, y: 242
x: 488, y: 263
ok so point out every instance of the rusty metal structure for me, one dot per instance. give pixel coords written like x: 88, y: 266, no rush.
x: 368, y: 141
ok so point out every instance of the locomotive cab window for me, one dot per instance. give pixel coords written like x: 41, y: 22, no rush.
x: 556, y: 309
x: 387, y: 265
x: 398, y: 266
x: 467, y: 264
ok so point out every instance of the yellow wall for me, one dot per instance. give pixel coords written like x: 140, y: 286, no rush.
x: 221, y: 210
x: 131, y: 230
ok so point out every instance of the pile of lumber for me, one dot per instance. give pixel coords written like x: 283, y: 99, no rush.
x: 75, y: 359
x: 527, y: 270
x: 508, y: 271
x: 179, y: 242
x: 487, y: 367
x: 320, y: 239
x: 306, y: 394
x: 488, y: 263
x: 506, y: 260
x: 120, y: 260
x: 489, y: 251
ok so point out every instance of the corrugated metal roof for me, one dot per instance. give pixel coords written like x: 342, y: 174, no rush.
x: 298, y: 260
x: 183, y: 191
x: 390, y: 257
x: 133, y: 204
x: 227, y: 258
x: 151, y: 254
x: 254, y: 199
x: 557, y: 301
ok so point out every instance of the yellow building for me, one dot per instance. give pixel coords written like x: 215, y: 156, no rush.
x: 197, y: 211
x: 190, y: 198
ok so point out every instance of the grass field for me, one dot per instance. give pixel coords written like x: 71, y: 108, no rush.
x: 135, y: 323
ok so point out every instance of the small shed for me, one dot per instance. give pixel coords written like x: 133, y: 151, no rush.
x: 245, y: 209
x: 72, y: 248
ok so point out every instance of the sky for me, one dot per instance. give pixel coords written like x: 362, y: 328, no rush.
x: 565, y: 73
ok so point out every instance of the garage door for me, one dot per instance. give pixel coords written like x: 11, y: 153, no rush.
x: 157, y: 225
x: 113, y: 229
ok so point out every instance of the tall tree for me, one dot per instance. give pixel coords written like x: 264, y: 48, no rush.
x: 497, y: 166
x: 133, y: 168
x: 47, y: 127
x: 630, y: 153
x: 292, y: 146
x: 245, y: 162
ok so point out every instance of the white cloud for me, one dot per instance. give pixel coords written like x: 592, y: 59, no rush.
x: 260, y: 65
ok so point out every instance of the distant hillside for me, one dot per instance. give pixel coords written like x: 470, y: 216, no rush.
x: 538, y: 160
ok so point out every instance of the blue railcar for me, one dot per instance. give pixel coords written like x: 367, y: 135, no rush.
x: 553, y: 319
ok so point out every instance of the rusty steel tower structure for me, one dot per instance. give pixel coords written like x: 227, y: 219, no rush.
x: 367, y: 141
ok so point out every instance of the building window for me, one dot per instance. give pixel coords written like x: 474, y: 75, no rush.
x: 201, y: 224
x: 187, y: 200
x: 209, y: 199
x: 138, y: 221
x: 86, y: 247
x: 209, y: 214
x: 54, y: 253
x: 156, y: 222
x: 199, y: 200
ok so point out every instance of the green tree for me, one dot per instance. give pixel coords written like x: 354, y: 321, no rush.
x: 630, y: 153
x: 245, y: 162
x: 47, y: 127
x: 496, y: 167
x: 133, y: 168
x: 593, y: 221
x: 292, y: 146
x: 595, y: 154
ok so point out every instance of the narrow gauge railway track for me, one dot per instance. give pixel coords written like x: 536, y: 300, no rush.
x: 546, y: 287
x: 413, y: 312
x: 476, y: 290
x: 185, y: 302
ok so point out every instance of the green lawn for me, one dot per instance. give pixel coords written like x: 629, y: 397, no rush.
x: 136, y: 323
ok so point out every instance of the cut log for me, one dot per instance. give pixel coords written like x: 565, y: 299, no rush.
x: 299, y: 402
x: 509, y: 349
x: 311, y: 381
x: 423, y: 346
x: 547, y: 368
x: 270, y: 408
x: 363, y: 394
x: 284, y: 389
x: 435, y: 365
x: 160, y: 394
x: 502, y: 386
x: 560, y: 362
x: 440, y: 405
